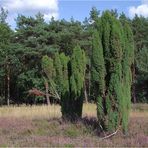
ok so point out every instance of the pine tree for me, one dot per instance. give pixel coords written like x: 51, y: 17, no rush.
x: 6, y: 56
x: 142, y: 60
x: 3, y: 15
x: 140, y: 33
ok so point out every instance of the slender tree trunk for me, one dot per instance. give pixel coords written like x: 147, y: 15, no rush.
x: 47, y: 93
x: 89, y: 80
x: 85, y: 93
x: 4, y: 88
x: 133, y: 85
x: 8, y: 85
x: 85, y: 88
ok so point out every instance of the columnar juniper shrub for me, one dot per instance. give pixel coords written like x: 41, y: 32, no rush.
x: 65, y: 95
x: 112, y: 57
x: 68, y: 80
x: 76, y: 83
x: 98, y: 74
x: 127, y: 61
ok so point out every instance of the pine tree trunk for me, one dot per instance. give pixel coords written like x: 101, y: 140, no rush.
x: 89, y: 79
x: 85, y: 88
x: 133, y: 85
x: 8, y: 85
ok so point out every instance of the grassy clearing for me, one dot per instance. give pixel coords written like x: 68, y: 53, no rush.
x: 31, y: 112
x: 42, y: 112
x: 54, y: 111
x: 42, y: 126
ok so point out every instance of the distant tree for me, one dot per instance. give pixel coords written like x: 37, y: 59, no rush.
x: 6, y: 58
x: 3, y: 15
x: 94, y: 13
x: 142, y: 76
x: 49, y: 70
x: 140, y: 32
x: 114, y: 12
x: 142, y: 60
x: 31, y: 43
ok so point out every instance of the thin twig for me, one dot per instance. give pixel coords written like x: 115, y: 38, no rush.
x: 55, y: 90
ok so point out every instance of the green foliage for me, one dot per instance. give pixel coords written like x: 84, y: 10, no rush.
x: 56, y: 70
x: 142, y: 76
x: 68, y: 79
x: 77, y: 70
x: 140, y: 32
x: 65, y: 80
x: 58, y: 73
x: 6, y: 59
x: 65, y: 94
x: 108, y: 44
x: 47, y: 65
x: 94, y: 13
x: 59, y: 77
x: 3, y: 15
x: 112, y: 47
x: 142, y: 60
x: 127, y: 62
x: 98, y: 74
x: 112, y: 58
x: 76, y: 83
x: 72, y: 131
x: 50, y: 73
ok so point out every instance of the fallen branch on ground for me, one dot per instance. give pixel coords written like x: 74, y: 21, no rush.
x: 110, y: 135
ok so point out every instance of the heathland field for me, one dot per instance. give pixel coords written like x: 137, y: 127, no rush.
x: 43, y: 126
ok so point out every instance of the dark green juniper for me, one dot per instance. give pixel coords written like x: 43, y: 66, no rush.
x: 112, y: 58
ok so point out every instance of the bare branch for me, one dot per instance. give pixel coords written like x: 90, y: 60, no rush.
x: 110, y: 135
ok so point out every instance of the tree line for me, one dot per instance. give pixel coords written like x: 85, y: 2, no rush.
x: 27, y: 52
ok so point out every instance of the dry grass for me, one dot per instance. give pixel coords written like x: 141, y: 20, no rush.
x: 42, y: 112
x: 89, y: 110
x: 53, y: 111
x: 31, y: 112
x: 42, y: 126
